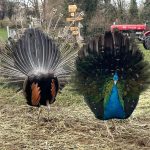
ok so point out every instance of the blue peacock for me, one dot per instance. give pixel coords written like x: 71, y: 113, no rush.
x: 114, y: 107
x: 111, y: 74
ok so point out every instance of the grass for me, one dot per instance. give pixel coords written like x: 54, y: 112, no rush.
x: 3, y: 34
x: 72, y: 125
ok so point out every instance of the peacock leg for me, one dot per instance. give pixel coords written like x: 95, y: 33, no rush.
x: 48, y: 108
x: 108, y: 131
x: 114, y: 125
x: 39, y: 112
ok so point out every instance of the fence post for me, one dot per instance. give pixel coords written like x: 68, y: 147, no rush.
x: 8, y: 34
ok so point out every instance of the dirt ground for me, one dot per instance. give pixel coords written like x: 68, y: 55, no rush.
x: 70, y: 126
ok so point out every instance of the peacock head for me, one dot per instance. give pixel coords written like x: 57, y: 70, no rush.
x: 115, y: 78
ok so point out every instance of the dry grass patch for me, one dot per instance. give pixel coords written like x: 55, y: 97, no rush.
x: 71, y: 126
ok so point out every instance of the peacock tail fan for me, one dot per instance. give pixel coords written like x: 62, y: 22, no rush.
x: 35, y: 56
x: 98, y: 64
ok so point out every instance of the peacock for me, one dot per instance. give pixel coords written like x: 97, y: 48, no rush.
x: 111, y: 74
x: 40, y: 64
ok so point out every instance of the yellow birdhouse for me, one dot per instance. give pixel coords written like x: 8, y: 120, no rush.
x: 75, y: 32
x: 74, y: 28
x: 72, y: 8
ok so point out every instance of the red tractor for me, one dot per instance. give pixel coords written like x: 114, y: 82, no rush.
x: 140, y: 30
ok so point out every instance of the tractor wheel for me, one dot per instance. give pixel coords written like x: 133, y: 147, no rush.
x: 146, y: 43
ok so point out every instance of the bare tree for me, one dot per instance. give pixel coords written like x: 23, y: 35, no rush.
x: 121, y: 7
x: 35, y: 5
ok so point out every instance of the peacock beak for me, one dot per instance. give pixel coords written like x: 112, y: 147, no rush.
x: 115, y: 82
x: 115, y: 78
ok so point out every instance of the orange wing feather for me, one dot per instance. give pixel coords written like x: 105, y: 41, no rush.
x: 53, y: 88
x: 35, y: 94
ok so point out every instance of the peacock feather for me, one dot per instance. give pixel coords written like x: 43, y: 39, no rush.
x: 110, y: 70
x: 36, y: 61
